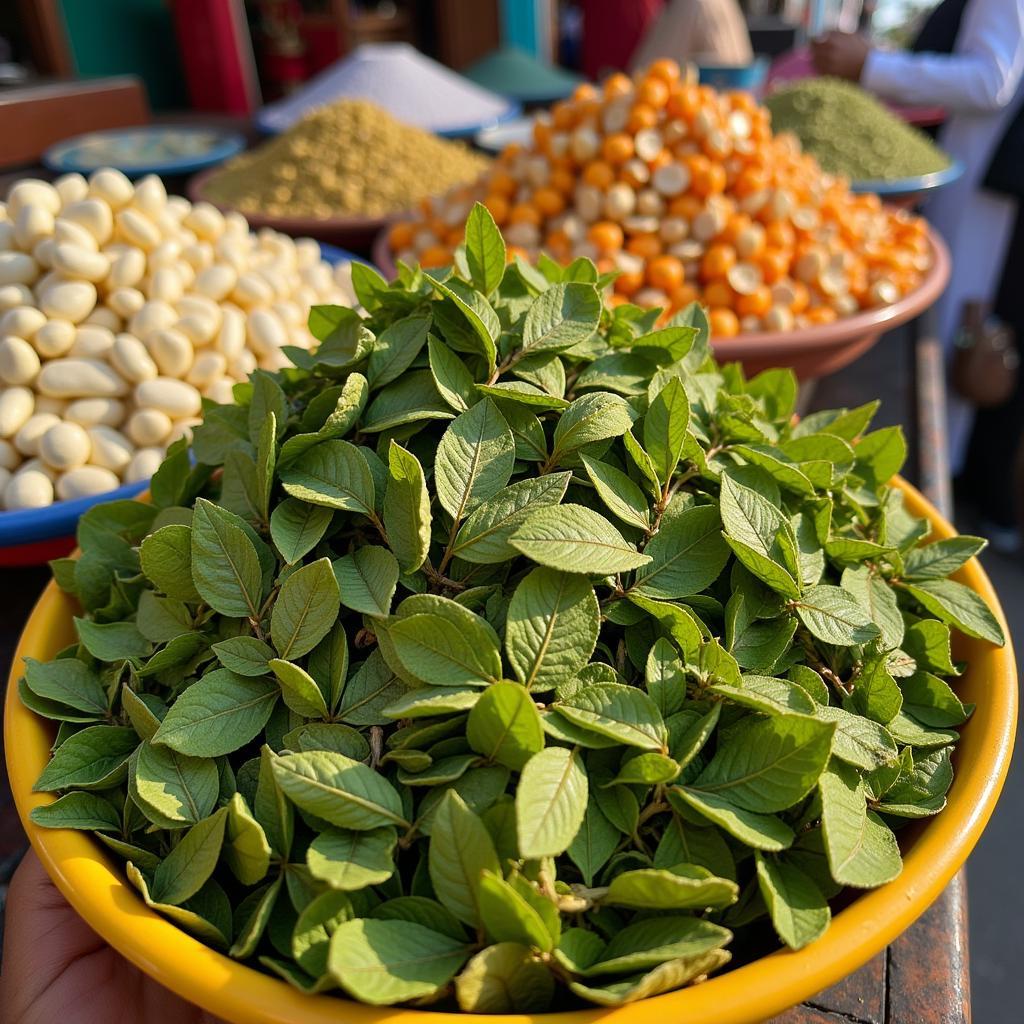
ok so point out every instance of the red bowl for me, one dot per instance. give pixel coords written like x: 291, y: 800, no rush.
x: 349, y: 232
x: 810, y: 351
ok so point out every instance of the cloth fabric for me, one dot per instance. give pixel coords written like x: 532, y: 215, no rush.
x: 612, y: 29
x: 979, y: 84
x: 704, y: 31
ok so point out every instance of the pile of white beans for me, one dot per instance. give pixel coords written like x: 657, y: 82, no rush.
x: 120, y: 309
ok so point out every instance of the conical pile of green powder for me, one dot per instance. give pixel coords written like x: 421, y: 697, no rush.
x: 851, y: 133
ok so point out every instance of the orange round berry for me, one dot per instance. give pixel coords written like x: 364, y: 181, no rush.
x: 606, y: 236
x: 757, y: 303
x: 665, y: 273
x: 617, y: 148
x: 724, y: 323
x: 717, y: 261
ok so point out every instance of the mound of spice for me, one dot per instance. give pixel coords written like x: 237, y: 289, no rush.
x: 850, y: 133
x: 349, y: 157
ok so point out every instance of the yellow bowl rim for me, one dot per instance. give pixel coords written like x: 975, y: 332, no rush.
x: 94, y: 883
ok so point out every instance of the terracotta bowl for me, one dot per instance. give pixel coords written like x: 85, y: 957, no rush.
x: 94, y: 882
x: 350, y: 232
x: 811, y: 351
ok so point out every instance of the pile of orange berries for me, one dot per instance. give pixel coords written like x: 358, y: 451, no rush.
x: 687, y: 194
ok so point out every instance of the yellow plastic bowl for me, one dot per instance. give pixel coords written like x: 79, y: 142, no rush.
x: 95, y: 884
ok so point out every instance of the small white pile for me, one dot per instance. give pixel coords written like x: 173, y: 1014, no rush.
x: 120, y: 309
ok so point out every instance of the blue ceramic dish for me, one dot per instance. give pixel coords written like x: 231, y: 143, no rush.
x: 156, y: 149
x: 33, y: 536
x: 918, y: 185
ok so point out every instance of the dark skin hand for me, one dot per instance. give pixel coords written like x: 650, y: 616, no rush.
x: 841, y: 54
x: 57, y: 969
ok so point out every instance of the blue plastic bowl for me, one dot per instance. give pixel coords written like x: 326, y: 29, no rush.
x: 734, y: 76
x: 920, y: 184
x: 33, y: 536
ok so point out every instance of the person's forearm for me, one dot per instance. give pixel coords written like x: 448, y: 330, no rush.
x: 964, y: 83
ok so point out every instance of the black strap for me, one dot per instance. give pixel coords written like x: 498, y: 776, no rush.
x: 938, y: 33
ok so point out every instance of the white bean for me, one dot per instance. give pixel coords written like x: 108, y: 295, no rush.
x: 42, y: 252
x: 137, y: 229
x: 126, y: 302
x: 221, y: 391
x: 94, y: 215
x: 265, y: 333
x: 198, y: 255
x: 182, y: 428
x: 154, y: 316
x: 131, y: 359
x: 200, y: 330
x: 9, y: 457
x: 69, y: 300
x: 127, y: 268
x: 27, y: 439
x: 75, y: 261
x: 144, y: 464
x: 91, y: 412
x: 174, y: 397
x: 250, y: 290
x: 231, y: 338
x: 110, y: 449
x: 36, y: 465
x: 92, y: 342
x: 12, y: 295
x: 17, y: 268
x: 65, y: 446
x: 105, y: 317
x: 32, y: 225
x: 16, y: 406
x: 86, y: 481
x: 242, y: 364
x: 148, y: 427
x: 171, y: 351
x: 69, y: 232
x: 150, y: 195
x: 71, y: 188
x: 19, y: 362
x: 44, y: 403
x: 205, y: 220
x: 165, y: 285
x: 22, y: 321
x: 31, y: 489
x: 111, y: 186
x: 32, y: 192
x: 217, y: 281
x: 80, y: 378
x: 207, y: 367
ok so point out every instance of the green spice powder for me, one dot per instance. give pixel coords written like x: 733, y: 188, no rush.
x: 851, y: 133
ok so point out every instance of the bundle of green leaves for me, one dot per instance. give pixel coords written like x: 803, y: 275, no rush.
x: 507, y: 652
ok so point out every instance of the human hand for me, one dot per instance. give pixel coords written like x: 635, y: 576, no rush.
x: 842, y: 54
x: 57, y: 969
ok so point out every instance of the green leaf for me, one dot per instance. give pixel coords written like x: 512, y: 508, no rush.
x: 332, y: 474
x: 552, y: 627
x: 857, y: 740
x: 931, y: 701
x: 875, y: 693
x: 551, y: 800
x: 395, y: 349
x: 670, y: 975
x: 68, y: 681
x: 306, y: 608
x: 594, y: 843
x: 438, y: 650
x: 95, y: 758
x: 760, y: 831
x: 958, y: 605
x: 561, y: 317
x: 879, y: 601
x: 573, y: 538
x: 317, y: 922
x: 217, y: 715
x: 686, y: 887
x: 225, y: 565
x: 505, y: 726
x: 504, y: 978
x: 835, y: 616
x: 592, y: 418
x: 252, y: 917
x: 467, y: 320
x: 207, y: 915
x: 351, y: 860
x: 412, y: 398
x: 166, y: 557
x: 367, y: 580
x: 343, y: 792
x: 299, y: 690
x: 172, y: 789
x: 861, y: 851
x: 768, y: 695
x: 687, y: 555
x: 768, y: 764
x: 244, y: 655
x: 421, y: 910
x: 382, y: 962
x: 460, y: 852
x: 879, y: 455
x: 646, y: 769
x: 78, y: 810
x: 185, y: 870
x: 453, y: 381
x: 474, y: 459
x: 927, y: 642
x: 372, y: 687
x: 797, y: 908
x: 246, y: 848
x: 112, y: 641
x: 406, y: 509
x: 485, y: 249
x: 296, y: 528
x: 645, y: 944
x: 623, y: 713
x: 942, y: 558
x: 507, y: 916
x: 665, y: 428
x: 621, y: 496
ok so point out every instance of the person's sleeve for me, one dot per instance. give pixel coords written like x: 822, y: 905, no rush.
x: 982, y: 75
